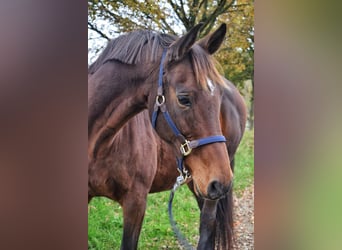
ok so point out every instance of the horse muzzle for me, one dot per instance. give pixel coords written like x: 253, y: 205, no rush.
x: 215, y: 190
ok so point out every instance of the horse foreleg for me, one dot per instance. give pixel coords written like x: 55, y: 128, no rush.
x: 133, y: 211
x: 207, y: 221
x: 207, y: 225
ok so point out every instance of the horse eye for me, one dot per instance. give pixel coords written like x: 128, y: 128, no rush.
x: 184, y: 100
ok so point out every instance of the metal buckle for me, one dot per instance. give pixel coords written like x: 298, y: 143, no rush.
x: 185, y: 148
x: 160, y: 100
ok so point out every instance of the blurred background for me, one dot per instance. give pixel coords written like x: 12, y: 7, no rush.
x: 43, y: 135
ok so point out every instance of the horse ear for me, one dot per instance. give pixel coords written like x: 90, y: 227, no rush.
x: 179, y: 48
x: 213, y: 41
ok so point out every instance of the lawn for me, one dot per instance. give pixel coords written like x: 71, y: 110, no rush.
x: 105, y: 216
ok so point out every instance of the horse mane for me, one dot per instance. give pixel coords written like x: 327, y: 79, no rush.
x: 134, y: 47
x: 144, y: 46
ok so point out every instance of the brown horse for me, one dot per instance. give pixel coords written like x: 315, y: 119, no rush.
x: 160, y: 169
x: 116, y: 160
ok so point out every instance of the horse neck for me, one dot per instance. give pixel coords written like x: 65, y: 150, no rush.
x: 233, y: 117
x: 117, y: 92
x: 167, y: 173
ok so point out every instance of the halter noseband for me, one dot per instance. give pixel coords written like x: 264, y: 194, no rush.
x: 187, y: 146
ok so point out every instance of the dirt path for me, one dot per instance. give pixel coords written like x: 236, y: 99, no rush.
x: 244, y: 220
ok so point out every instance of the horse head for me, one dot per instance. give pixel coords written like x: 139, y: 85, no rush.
x: 189, y: 97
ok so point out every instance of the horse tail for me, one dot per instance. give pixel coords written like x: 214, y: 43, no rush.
x: 224, y: 236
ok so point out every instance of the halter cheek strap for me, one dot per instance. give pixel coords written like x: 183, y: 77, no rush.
x: 187, y: 146
x: 160, y: 99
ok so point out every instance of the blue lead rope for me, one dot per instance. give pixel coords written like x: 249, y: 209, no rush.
x: 181, y: 238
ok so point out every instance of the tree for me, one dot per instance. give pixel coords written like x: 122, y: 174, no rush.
x: 162, y: 15
x: 177, y: 17
x: 237, y: 54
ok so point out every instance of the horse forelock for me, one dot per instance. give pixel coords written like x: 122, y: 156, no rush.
x: 134, y: 47
x: 204, y: 68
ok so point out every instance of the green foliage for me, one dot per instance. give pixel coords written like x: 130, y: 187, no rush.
x: 237, y: 53
x: 163, y: 15
x: 105, y: 216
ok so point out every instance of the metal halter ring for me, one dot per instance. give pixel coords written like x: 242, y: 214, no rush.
x: 160, y: 100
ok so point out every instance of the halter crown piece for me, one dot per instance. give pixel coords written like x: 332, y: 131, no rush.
x: 187, y: 146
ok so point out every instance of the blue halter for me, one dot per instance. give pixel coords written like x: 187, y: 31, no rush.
x: 187, y: 146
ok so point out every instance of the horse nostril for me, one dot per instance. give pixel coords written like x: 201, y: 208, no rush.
x: 215, y: 190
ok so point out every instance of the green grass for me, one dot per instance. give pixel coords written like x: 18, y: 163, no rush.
x: 105, y: 216
x: 244, y: 163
